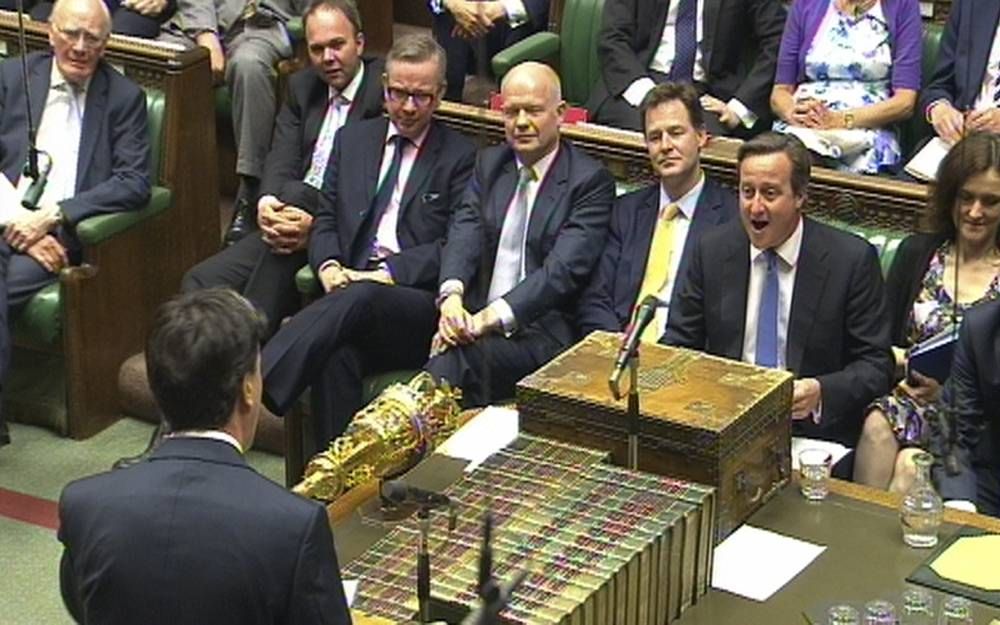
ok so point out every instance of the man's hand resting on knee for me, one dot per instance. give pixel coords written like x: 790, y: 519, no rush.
x: 49, y: 253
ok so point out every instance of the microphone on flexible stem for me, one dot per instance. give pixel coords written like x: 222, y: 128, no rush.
x: 643, y: 317
x: 31, y: 169
x: 400, y: 493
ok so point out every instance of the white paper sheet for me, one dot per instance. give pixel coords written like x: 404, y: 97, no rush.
x: 924, y: 164
x: 756, y: 563
x: 836, y: 450
x: 484, y: 435
x: 350, y: 590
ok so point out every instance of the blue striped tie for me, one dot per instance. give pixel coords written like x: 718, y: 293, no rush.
x: 686, y: 44
x: 767, y: 319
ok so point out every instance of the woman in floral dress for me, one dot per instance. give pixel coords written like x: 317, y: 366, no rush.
x: 922, y: 295
x: 851, y: 66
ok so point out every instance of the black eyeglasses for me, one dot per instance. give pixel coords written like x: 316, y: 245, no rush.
x: 400, y: 96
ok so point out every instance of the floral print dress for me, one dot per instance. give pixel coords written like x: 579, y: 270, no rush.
x: 849, y: 65
x: 930, y: 315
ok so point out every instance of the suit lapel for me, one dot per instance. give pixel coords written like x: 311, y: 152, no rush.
x: 807, y: 295
x: 644, y: 223
x: 660, y: 22
x: 710, y: 18
x: 372, y: 163
x: 549, y: 194
x: 980, y: 45
x: 706, y: 214
x: 41, y: 75
x: 501, y: 199
x: 93, y: 118
x: 317, y: 102
x: 735, y: 275
x: 420, y: 172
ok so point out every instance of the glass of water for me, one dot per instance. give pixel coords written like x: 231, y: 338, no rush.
x: 918, y: 607
x: 842, y: 615
x: 956, y: 611
x: 880, y: 612
x: 814, y: 473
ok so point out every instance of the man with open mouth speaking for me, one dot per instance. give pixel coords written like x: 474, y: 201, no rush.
x: 781, y: 290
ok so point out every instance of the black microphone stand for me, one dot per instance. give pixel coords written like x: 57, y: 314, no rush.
x: 494, y: 596
x: 31, y: 168
x: 632, y: 412
x: 424, y: 557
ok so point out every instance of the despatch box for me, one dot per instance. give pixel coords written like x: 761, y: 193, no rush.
x: 705, y: 419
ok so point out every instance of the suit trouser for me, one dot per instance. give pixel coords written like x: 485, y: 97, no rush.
x: 334, y: 343
x: 20, y: 278
x: 488, y: 369
x: 462, y: 54
x: 250, y: 267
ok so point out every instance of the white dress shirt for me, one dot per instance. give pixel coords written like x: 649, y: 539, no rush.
x: 663, y: 58
x: 338, y: 108
x: 788, y: 259
x: 59, y: 133
x: 989, y: 87
x: 217, y: 435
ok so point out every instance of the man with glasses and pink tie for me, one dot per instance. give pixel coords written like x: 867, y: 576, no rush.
x: 92, y: 133
x: 340, y: 87
x: 388, y: 194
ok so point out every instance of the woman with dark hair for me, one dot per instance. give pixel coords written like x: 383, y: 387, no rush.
x: 925, y: 297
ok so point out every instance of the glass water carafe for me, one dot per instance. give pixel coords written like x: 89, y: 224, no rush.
x: 921, y: 510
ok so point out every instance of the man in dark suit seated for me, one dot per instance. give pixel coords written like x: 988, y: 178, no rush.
x: 781, y: 290
x: 474, y: 30
x: 388, y: 194
x: 964, y: 90
x: 92, y: 130
x: 193, y: 534
x: 654, y: 229
x: 728, y: 49
x: 522, y: 245
x: 338, y: 88
x: 971, y: 478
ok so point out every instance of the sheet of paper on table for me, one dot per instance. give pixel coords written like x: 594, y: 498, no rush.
x: 756, y: 563
x: 971, y: 560
x: 350, y: 590
x: 485, y: 434
x: 800, y: 443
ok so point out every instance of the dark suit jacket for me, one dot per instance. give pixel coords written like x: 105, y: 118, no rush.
x: 965, y: 49
x: 740, y: 45
x: 905, y: 279
x: 838, y: 330
x: 112, y: 171
x: 297, y: 128
x: 566, y: 233
x: 194, y: 535
x: 974, y: 390
x: 432, y: 193
x: 608, y: 301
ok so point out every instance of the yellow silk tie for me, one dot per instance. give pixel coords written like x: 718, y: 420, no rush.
x: 658, y: 264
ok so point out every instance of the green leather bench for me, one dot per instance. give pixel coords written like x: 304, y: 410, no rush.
x: 70, y: 337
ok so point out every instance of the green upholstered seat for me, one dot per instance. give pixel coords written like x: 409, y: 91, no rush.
x: 40, y: 322
x: 573, y: 49
x: 913, y: 131
x: 885, y: 241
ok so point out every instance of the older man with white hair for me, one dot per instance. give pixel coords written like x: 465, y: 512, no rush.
x: 92, y: 135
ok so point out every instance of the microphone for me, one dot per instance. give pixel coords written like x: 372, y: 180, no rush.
x: 645, y: 315
x: 399, y: 493
x: 34, y: 191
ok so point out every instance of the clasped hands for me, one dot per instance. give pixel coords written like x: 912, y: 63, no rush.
x: 334, y: 276
x: 285, y: 228
x: 457, y: 326
x: 727, y: 116
x: 29, y: 234
x: 813, y: 113
x: 951, y: 124
x: 474, y: 19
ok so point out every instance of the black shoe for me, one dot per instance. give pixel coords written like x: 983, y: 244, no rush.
x: 154, y: 442
x: 4, y: 434
x: 243, y: 223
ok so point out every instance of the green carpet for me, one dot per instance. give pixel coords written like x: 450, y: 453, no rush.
x: 39, y: 463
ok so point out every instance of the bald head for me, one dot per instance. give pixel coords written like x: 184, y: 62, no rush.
x: 532, y: 110
x: 78, y: 31
x: 535, y: 76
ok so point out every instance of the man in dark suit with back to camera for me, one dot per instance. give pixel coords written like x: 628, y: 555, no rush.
x: 339, y: 88
x: 389, y: 192
x: 964, y: 89
x: 972, y: 482
x: 193, y: 534
x: 523, y: 243
x: 784, y: 291
x: 92, y: 129
x: 727, y: 48
x: 654, y: 229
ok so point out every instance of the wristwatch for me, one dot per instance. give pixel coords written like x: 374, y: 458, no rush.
x: 848, y: 120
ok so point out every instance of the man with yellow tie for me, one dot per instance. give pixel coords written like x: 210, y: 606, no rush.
x: 653, y: 229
